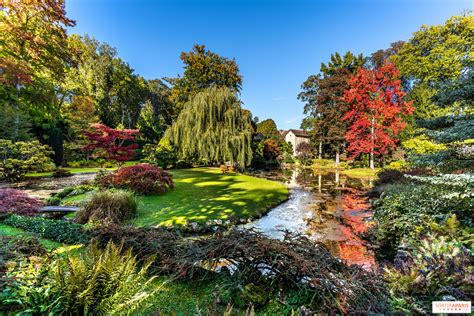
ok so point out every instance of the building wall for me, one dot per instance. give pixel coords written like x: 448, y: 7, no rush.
x: 295, y: 140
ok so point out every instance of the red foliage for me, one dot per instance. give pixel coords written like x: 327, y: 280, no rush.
x: 142, y: 178
x: 18, y: 202
x: 377, y: 110
x: 112, y: 141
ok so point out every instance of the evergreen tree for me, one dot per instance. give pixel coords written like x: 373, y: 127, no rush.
x: 212, y: 128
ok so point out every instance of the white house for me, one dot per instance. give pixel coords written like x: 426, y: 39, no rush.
x: 295, y: 137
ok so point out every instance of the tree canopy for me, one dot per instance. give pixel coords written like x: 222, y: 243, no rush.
x: 204, y: 69
x: 268, y: 128
x: 212, y: 128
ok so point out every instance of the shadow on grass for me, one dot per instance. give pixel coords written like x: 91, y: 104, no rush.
x: 203, y: 194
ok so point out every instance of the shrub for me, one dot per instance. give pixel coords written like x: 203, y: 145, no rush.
x: 305, y: 153
x: 429, y: 269
x: 108, y: 207
x: 422, y: 145
x: 161, y: 155
x: 142, y: 178
x: 405, y: 206
x: 61, y: 173
x: 145, y: 242
x: 57, y: 230
x: 14, y: 248
x: 16, y: 159
x: 18, y: 202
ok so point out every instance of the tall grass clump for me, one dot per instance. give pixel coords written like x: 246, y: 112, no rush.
x: 108, y: 207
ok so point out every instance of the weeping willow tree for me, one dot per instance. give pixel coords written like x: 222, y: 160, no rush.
x: 212, y: 128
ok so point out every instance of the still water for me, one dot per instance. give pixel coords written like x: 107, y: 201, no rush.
x: 324, y: 206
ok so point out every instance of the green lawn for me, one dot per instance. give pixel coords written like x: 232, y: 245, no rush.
x: 78, y: 170
x: 201, y: 194
x: 361, y: 172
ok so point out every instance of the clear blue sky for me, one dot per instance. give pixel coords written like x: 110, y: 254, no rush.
x: 277, y: 44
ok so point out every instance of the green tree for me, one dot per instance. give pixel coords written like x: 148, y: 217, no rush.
x: 212, y: 128
x: 268, y: 128
x: 150, y: 124
x: 438, y: 52
x: 118, y: 93
x: 204, y: 69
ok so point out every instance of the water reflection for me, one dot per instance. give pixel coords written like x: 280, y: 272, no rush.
x: 325, y: 206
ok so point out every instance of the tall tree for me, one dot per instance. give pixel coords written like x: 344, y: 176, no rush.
x: 438, y: 52
x: 268, y: 128
x: 377, y: 111
x: 212, y: 128
x: 34, y: 40
x: 322, y: 95
x: 33, y: 58
x: 204, y: 69
x: 382, y: 56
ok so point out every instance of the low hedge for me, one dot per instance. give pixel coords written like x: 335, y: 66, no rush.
x: 57, y: 230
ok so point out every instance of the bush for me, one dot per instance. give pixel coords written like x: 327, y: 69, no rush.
x: 14, y: 248
x: 161, y: 155
x: 18, y: 202
x: 142, y: 178
x: 16, y: 159
x: 57, y: 230
x: 108, y: 207
x: 61, y: 173
x: 422, y: 145
x: 405, y: 206
x: 145, y: 242
x: 427, y: 270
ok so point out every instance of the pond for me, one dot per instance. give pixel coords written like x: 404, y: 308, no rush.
x: 327, y: 207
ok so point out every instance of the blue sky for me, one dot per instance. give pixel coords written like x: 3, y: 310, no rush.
x: 277, y: 44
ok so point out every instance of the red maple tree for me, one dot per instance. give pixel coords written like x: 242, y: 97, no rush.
x: 377, y: 111
x: 112, y: 142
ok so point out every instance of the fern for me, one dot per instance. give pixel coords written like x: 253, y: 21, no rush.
x: 102, y: 281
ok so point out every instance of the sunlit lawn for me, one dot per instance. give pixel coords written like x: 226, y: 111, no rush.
x: 202, y: 194
x: 78, y: 170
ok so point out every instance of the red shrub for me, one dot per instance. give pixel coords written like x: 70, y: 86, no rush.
x: 18, y: 202
x: 142, y: 178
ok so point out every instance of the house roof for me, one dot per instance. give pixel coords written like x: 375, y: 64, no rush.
x: 299, y: 132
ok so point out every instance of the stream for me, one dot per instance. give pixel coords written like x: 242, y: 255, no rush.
x: 326, y: 207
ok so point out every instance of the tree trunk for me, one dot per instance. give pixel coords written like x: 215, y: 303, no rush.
x: 337, y: 157
x: 372, y: 132
x: 320, y: 152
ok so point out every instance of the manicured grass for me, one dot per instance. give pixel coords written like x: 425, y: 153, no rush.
x: 202, y: 194
x: 79, y: 170
x: 361, y: 172
x: 324, y: 164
